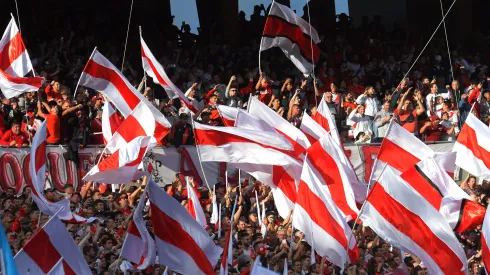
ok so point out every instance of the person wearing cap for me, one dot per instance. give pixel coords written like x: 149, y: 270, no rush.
x: 433, y: 129
x: 15, y: 136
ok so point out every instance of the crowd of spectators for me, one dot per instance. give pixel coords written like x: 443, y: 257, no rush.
x: 363, y: 76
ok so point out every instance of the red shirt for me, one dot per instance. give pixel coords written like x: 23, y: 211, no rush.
x: 265, y: 94
x: 51, y: 94
x: 20, y: 139
x: 96, y: 127
x: 356, y: 89
x: 53, y: 128
x: 434, y: 133
x: 405, y: 120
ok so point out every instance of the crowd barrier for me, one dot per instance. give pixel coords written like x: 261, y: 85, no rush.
x: 162, y: 162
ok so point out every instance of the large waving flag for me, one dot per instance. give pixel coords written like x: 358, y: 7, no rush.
x: 485, y: 242
x: 402, y: 217
x: 37, y: 167
x: 128, y: 146
x: 7, y: 263
x: 291, y: 33
x: 182, y: 243
x: 110, y: 121
x: 51, y: 250
x: 139, y: 246
x: 15, y: 64
x: 440, y: 191
x: 319, y: 218
x: 155, y: 70
x: 473, y: 147
x: 101, y: 75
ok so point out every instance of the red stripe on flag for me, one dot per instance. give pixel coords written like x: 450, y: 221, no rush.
x: 160, y: 79
x: 228, y: 122
x: 423, y: 186
x: 140, y: 157
x: 328, y: 169
x: 67, y: 269
x: 12, y: 50
x: 396, y: 156
x: 218, y: 138
x: 468, y: 139
x: 485, y: 253
x: 310, y: 138
x: 321, y: 120
x: 133, y: 230
x: 171, y: 232
x: 114, y: 121
x: 190, y: 207
x: 285, y: 182
x: 109, y: 163
x: 98, y: 71
x: 31, y: 81
x: 297, y: 147
x: 319, y: 213
x: 160, y: 131
x: 42, y: 252
x: 131, y: 129
x: 414, y: 228
x: 278, y: 27
x: 40, y: 158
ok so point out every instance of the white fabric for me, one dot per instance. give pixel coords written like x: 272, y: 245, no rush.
x: 12, y: 89
x: 107, y: 112
x: 289, y: 15
x: 228, y: 113
x: 486, y: 235
x: 169, y: 255
x: 324, y: 111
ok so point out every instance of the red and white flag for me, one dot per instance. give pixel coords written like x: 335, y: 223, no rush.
x: 473, y: 147
x: 328, y: 154
x: 236, y: 145
x: 110, y: 121
x: 294, y: 135
x: 296, y: 37
x: 101, y: 75
x: 128, y: 146
x: 485, y: 242
x: 179, y: 237
x: 155, y: 70
x: 228, y: 114
x: 37, y: 167
x: 248, y: 121
x: 51, y: 250
x: 402, y: 217
x: 14, y: 59
x: 15, y: 64
x: 139, y: 246
x: 440, y: 191
x: 318, y: 217
x: 402, y: 151
x: 194, y: 205
x: 325, y: 119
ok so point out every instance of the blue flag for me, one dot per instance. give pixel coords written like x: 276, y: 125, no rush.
x: 7, y: 263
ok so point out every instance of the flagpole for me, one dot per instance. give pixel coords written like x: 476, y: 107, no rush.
x: 127, y: 35
x: 78, y: 83
x: 311, y: 43
x: 430, y: 39
x: 199, y: 153
x: 18, y: 17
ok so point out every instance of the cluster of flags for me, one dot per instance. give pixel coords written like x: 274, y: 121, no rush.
x: 411, y: 200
